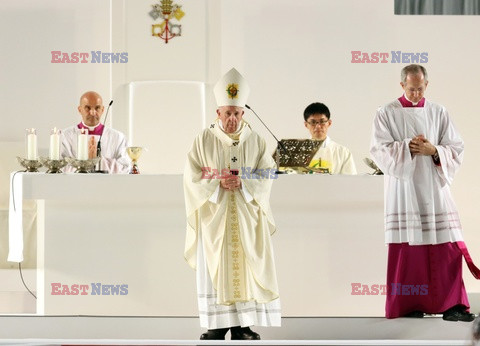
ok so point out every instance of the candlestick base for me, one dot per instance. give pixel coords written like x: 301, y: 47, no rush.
x: 83, y: 166
x: 54, y: 166
x: 29, y: 165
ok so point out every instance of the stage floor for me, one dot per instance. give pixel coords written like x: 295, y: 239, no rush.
x: 110, y: 330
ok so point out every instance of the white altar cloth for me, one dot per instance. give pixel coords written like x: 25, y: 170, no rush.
x: 114, y: 230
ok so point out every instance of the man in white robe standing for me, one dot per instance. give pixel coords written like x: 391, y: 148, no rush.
x: 331, y: 155
x: 229, y: 221
x: 113, y: 143
x: 419, y: 150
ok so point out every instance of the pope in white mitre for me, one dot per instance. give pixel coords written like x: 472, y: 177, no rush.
x: 229, y: 221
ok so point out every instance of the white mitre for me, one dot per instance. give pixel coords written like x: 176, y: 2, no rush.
x: 231, y: 90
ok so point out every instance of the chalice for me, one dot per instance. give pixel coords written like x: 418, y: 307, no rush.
x: 134, y: 154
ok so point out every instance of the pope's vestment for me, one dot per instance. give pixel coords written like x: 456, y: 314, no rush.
x: 114, y: 156
x: 335, y: 157
x: 422, y: 225
x: 228, y: 238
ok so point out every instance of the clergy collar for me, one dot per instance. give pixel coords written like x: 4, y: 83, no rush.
x: 407, y: 103
x: 92, y: 130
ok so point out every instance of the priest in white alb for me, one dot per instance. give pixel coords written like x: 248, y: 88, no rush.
x: 418, y: 148
x: 229, y: 221
x: 113, y: 144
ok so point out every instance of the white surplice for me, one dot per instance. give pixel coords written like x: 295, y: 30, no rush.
x: 419, y: 207
x: 113, y: 145
x: 335, y: 157
x: 228, y: 232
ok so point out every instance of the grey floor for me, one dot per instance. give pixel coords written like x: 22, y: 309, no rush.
x: 110, y: 330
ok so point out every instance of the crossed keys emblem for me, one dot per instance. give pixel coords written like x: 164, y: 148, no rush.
x: 166, y: 10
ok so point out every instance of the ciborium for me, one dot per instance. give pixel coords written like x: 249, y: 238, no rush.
x: 134, y: 154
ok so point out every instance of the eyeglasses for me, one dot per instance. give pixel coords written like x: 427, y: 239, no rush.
x: 314, y: 123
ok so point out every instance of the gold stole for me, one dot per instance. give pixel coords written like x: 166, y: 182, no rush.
x: 237, y: 291
x: 235, y: 255
x: 234, y: 273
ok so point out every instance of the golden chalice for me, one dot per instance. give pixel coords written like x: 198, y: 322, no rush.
x: 134, y: 154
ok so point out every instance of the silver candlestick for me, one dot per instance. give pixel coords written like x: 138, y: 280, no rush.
x: 29, y: 165
x: 54, y: 166
x: 83, y: 166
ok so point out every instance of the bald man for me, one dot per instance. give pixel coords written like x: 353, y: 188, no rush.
x: 114, y: 158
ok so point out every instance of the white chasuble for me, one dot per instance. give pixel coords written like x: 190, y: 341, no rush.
x: 235, y: 226
x: 419, y: 207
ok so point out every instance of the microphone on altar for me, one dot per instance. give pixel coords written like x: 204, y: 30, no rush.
x: 279, y: 143
x: 99, y: 145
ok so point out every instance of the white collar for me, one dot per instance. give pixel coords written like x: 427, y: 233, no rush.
x: 413, y: 103
x: 90, y: 128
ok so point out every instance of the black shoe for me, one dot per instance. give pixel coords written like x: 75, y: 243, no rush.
x: 415, y: 314
x: 458, y: 313
x: 246, y: 333
x: 214, y: 334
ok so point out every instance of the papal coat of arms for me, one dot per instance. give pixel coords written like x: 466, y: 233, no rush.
x: 232, y: 90
x: 167, y: 11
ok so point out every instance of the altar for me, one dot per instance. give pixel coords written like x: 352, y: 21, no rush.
x: 113, y: 244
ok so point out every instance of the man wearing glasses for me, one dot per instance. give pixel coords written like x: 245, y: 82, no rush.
x: 331, y: 155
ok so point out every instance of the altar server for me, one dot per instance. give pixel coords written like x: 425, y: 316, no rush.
x: 337, y: 158
x: 417, y: 146
x: 229, y: 221
x: 113, y: 144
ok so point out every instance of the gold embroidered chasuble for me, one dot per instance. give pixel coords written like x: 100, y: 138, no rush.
x: 235, y: 228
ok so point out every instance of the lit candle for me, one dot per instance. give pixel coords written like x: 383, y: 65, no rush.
x: 82, y: 145
x: 31, y: 144
x: 55, y: 144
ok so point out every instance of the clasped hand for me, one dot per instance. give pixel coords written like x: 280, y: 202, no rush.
x: 231, y: 182
x: 421, y: 146
x: 92, y: 148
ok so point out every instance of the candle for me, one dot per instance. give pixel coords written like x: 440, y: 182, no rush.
x: 55, y: 144
x: 31, y: 144
x: 82, y: 145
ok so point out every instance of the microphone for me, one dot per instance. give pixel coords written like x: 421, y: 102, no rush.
x: 99, y: 146
x: 279, y: 144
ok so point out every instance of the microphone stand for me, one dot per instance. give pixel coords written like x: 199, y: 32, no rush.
x: 99, y: 146
x: 280, y: 145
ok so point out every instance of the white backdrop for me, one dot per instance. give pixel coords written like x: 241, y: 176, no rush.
x: 291, y: 52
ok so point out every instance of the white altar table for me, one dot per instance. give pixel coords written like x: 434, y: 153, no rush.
x: 119, y: 239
